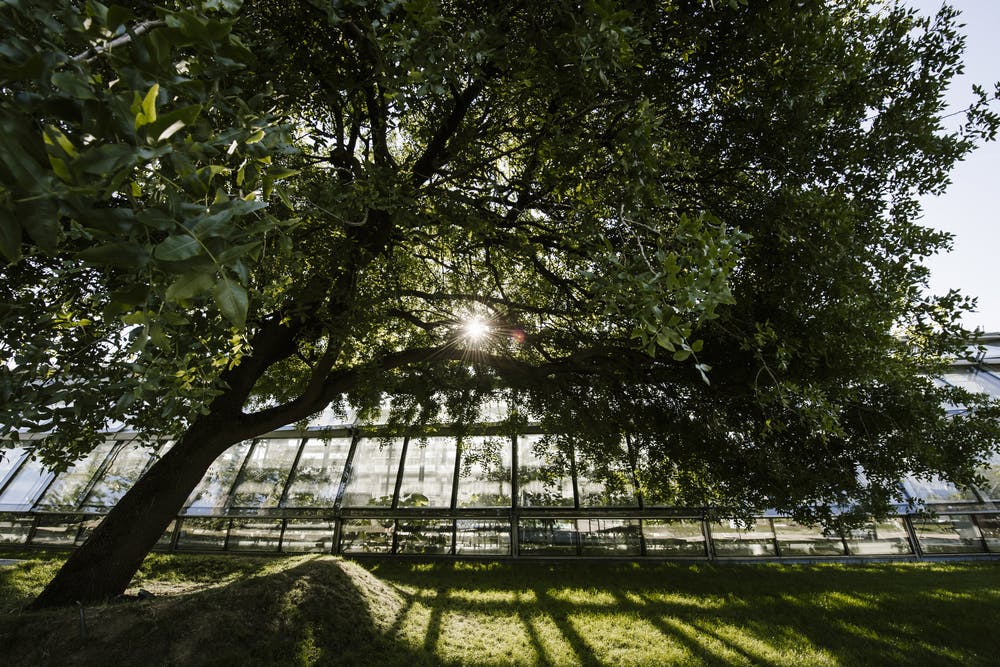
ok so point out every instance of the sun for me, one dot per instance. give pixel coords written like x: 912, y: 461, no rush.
x: 475, y: 329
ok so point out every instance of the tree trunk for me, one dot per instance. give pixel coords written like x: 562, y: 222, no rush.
x: 106, y: 562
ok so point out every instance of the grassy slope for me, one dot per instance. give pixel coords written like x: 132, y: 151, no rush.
x: 322, y: 610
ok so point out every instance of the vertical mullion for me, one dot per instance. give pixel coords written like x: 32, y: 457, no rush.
x: 399, y: 475
x: 14, y: 469
x: 515, y: 491
x: 101, y: 469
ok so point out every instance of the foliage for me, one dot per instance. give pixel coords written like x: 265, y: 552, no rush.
x: 695, y: 223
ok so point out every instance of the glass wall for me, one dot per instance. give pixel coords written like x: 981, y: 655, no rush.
x: 372, y: 477
x: 428, y: 473
x: 543, y: 476
x: 437, y: 496
x: 317, y: 478
x: 261, y: 482
x: 212, y: 493
x: 484, y: 475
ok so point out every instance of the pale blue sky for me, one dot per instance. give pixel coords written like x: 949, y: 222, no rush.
x: 970, y: 209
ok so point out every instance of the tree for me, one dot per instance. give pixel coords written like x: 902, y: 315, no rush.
x: 692, y: 223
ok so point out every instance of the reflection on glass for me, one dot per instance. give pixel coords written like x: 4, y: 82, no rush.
x: 167, y: 538
x: 210, y: 496
x: 730, y: 538
x: 879, y: 538
x: 373, y: 473
x: 605, y: 482
x: 68, y: 487
x: 308, y: 535
x: 482, y: 537
x: 990, y: 487
x: 989, y: 526
x: 948, y: 534
x: 9, y: 458
x: 265, y: 472
x: 428, y: 473
x: 254, y: 535
x: 14, y: 528
x: 609, y: 537
x: 971, y: 378
x: 21, y: 492
x: 673, y: 537
x: 934, y: 489
x: 56, y: 529
x: 366, y: 536
x: 795, y: 539
x: 129, y: 462
x: 317, y: 477
x: 203, y: 534
x: 544, y: 475
x: 484, y: 475
x: 424, y: 536
x: 547, y: 536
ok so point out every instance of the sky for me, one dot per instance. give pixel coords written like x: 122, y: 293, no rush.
x: 970, y: 208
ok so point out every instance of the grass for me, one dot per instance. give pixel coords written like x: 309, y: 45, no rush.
x: 223, y: 610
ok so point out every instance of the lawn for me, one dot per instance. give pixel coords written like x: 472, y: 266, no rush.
x: 224, y: 610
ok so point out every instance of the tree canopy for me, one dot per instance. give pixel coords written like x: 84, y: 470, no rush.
x: 695, y: 223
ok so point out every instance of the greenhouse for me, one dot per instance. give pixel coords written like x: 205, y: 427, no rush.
x: 341, y: 487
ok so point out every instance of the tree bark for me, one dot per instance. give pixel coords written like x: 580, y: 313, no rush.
x: 104, y: 565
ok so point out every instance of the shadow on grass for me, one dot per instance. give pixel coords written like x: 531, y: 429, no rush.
x: 318, y: 611
x: 321, y: 610
x: 579, y: 613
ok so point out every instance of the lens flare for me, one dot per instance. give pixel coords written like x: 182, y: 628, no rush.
x: 476, y: 329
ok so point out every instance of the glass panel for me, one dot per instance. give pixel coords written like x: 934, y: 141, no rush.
x: 990, y: 488
x: 419, y: 536
x: 366, y: 536
x: 14, y: 528
x: 373, y: 473
x: 210, y: 496
x: 673, y: 537
x: 264, y: 474
x: 308, y: 535
x: 484, y: 476
x: 609, y: 537
x: 318, y: 475
x: 948, y: 534
x: 56, y: 529
x: 989, y: 526
x: 129, y: 462
x: 476, y: 537
x: 547, y: 536
x: 167, y: 538
x: 87, y: 526
x: 254, y: 535
x: 543, y: 475
x: 9, y: 458
x: 428, y: 473
x: 794, y: 539
x: 732, y: 539
x: 935, y: 489
x: 605, y: 482
x: 30, y: 480
x: 203, y: 534
x: 972, y: 379
x: 66, y: 491
x: 879, y: 538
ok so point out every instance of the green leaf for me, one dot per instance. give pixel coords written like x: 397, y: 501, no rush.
x: 177, y: 248
x: 128, y: 255
x: 190, y: 285
x: 255, y: 137
x: 146, y: 111
x: 277, y: 173
x: 10, y: 236
x: 166, y: 126
x: 233, y: 302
